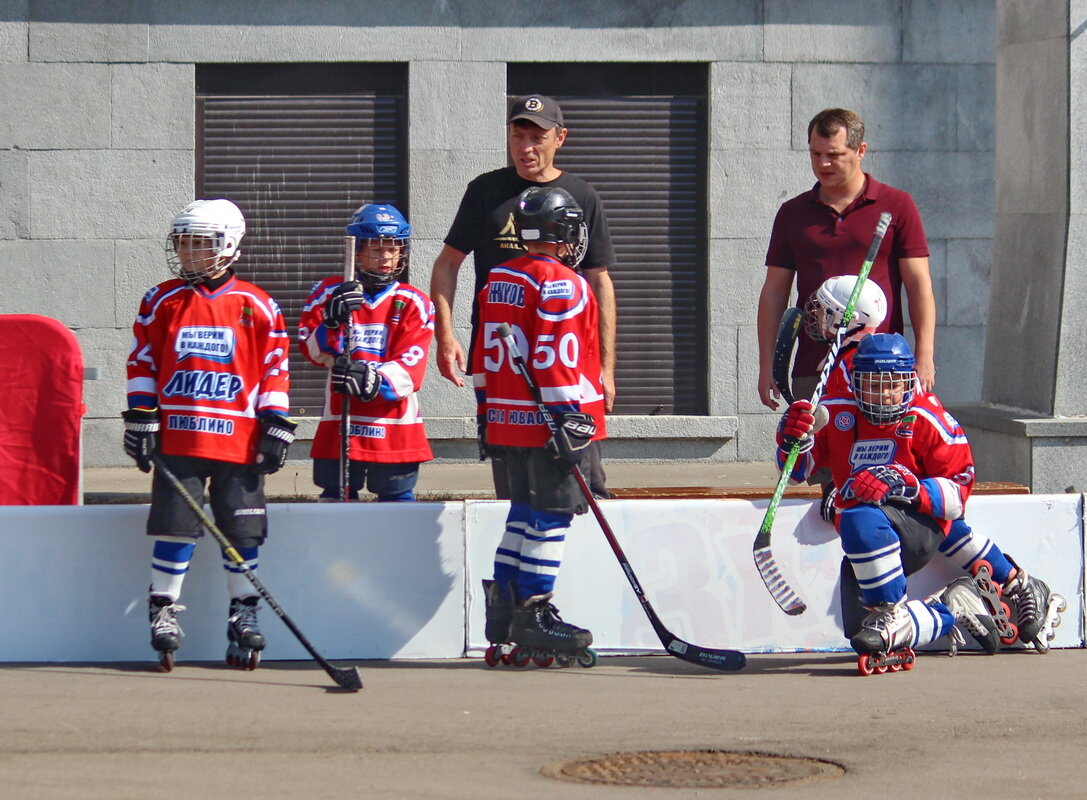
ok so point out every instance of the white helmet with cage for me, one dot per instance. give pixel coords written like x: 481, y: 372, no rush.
x: 221, y: 223
x: 824, y: 309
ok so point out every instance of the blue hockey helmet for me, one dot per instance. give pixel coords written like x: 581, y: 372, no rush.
x: 382, y: 243
x: 884, y: 378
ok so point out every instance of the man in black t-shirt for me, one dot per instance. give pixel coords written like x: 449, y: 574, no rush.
x: 484, y: 227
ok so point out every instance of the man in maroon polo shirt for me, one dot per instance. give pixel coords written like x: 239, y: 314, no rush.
x: 825, y: 232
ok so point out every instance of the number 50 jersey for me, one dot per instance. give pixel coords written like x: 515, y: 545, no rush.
x: 553, y: 315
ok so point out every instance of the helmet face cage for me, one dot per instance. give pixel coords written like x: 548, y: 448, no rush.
x: 215, y: 227
x: 370, y: 266
x: 883, y: 397
x: 884, y: 378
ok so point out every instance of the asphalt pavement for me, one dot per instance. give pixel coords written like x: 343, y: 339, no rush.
x: 1007, y: 726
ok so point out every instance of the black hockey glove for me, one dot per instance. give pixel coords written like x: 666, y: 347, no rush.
x: 345, y: 298
x: 827, y: 510
x: 481, y: 437
x: 356, y: 378
x: 141, y: 435
x: 276, y: 435
x: 575, y: 431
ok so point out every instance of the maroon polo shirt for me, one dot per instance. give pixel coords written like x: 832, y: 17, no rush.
x: 817, y: 242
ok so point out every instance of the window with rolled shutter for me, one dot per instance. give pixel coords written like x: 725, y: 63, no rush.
x: 638, y: 134
x: 299, y: 147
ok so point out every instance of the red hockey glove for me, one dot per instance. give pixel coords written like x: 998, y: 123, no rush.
x: 796, y: 426
x: 887, y: 483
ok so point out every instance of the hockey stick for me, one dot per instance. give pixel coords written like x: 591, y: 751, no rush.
x: 345, y: 410
x: 776, y: 584
x: 783, y: 351
x: 724, y: 660
x: 348, y: 678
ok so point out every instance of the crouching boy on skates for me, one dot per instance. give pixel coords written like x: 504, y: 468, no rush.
x: 1022, y: 605
x: 552, y: 312
x: 903, y: 470
x: 207, y: 393
x: 386, y: 328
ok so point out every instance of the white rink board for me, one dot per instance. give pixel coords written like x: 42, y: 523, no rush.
x: 377, y: 581
x: 360, y: 581
x: 693, y: 559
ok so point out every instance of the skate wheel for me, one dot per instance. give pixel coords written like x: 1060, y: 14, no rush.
x: 542, y: 658
x: 978, y: 566
x: 882, y: 669
x: 911, y: 659
x: 587, y: 658
x: 565, y: 659
x: 1011, y: 635
x: 864, y: 664
x: 520, y: 657
x: 506, y: 656
x: 491, y: 657
x: 895, y: 667
x: 1041, y: 646
x: 166, y: 661
x: 253, y: 661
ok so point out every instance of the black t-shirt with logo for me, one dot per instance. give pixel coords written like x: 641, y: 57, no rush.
x: 484, y: 222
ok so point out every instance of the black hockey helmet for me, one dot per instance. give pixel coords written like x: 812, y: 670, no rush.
x: 550, y: 214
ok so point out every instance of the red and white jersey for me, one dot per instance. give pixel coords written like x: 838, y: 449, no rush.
x: 553, y: 315
x: 393, y: 328
x: 928, y: 441
x: 213, y: 362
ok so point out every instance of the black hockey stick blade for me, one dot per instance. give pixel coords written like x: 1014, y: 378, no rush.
x: 723, y: 660
x: 783, y: 351
x: 347, y: 678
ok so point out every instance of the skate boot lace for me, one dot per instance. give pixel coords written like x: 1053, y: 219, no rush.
x: 886, y: 622
x: 165, y: 620
x: 244, y: 618
x: 1023, y: 590
x: 957, y: 641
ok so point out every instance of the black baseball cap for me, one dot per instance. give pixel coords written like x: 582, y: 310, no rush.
x: 537, y: 109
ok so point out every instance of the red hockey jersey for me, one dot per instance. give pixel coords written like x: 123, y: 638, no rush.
x: 928, y: 441
x: 553, y: 314
x: 213, y: 362
x: 394, y: 329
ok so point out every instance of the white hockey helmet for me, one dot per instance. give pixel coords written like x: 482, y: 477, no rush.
x: 824, y: 309
x: 217, y: 220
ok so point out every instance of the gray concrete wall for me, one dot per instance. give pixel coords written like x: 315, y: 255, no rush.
x: 96, y: 146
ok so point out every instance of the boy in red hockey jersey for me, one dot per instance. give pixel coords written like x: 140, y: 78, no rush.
x: 552, y: 312
x: 207, y: 392
x: 387, y: 327
x: 903, y: 472
x: 1035, y: 607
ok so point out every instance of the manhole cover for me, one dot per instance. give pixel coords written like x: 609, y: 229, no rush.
x: 695, y: 769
